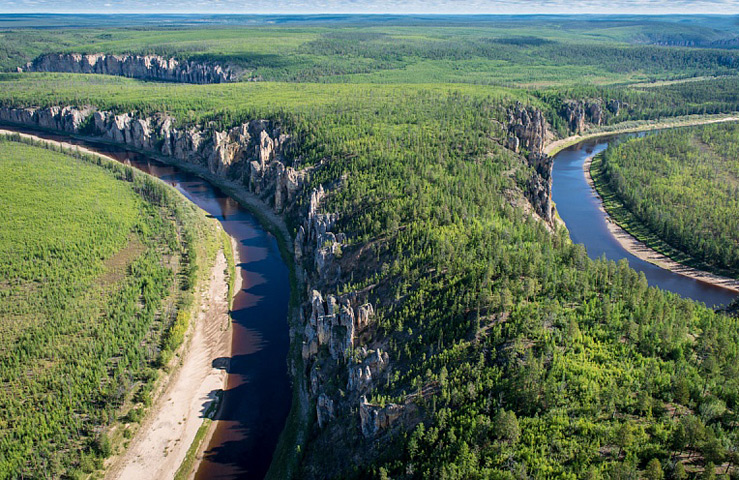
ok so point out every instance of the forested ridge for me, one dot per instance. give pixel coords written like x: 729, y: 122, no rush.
x: 519, y: 355
x: 511, y: 353
x: 684, y: 186
x: 494, y: 50
x: 97, y: 264
x: 531, y: 359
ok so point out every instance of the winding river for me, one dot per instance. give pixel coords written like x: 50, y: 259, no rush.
x: 578, y: 205
x: 258, y: 397
x: 258, y: 394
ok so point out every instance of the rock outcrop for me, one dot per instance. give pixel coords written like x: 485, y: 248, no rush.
x: 375, y: 418
x: 527, y: 128
x: 148, y: 67
x: 342, y: 361
x: 615, y: 106
x: 371, y: 365
x: 332, y: 323
x: 580, y: 114
x: 539, y: 186
x: 324, y: 410
x: 251, y: 153
x: 332, y: 328
x: 66, y: 119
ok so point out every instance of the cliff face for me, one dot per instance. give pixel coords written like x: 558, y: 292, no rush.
x: 252, y: 153
x: 528, y: 129
x: 580, y: 114
x: 255, y: 155
x: 150, y: 67
x: 343, y: 360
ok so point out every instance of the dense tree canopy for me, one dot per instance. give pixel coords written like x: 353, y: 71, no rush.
x: 95, y: 266
x: 684, y: 186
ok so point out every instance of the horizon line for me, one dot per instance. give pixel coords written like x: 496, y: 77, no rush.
x: 404, y: 14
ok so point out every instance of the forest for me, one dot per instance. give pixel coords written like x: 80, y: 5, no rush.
x: 96, y: 263
x: 519, y: 356
x: 683, y: 185
x: 509, y: 51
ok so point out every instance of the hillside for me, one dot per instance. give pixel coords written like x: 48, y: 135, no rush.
x: 488, y: 343
x: 447, y: 327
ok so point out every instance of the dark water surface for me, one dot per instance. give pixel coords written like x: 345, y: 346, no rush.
x: 578, y: 206
x: 258, y: 395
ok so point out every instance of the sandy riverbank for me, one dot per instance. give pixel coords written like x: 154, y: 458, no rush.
x: 162, y: 441
x: 642, y: 251
x: 554, y: 147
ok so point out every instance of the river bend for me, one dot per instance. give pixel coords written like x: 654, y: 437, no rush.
x: 579, y: 206
x: 258, y: 395
x: 257, y: 398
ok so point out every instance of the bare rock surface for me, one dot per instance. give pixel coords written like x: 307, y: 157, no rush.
x: 148, y: 67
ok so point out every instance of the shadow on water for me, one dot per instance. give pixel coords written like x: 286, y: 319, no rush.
x: 579, y: 207
x: 257, y: 396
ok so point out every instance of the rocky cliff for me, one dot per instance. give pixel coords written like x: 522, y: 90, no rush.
x: 254, y: 154
x: 528, y: 130
x: 342, y: 358
x: 148, y: 67
x: 581, y: 114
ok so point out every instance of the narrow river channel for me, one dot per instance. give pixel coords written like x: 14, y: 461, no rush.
x: 578, y: 205
x: 258, y: 394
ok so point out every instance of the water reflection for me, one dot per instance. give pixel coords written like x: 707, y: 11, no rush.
x: 257, y: 396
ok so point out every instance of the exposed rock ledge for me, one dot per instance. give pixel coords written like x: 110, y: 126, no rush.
x: 252, y: 153
x: 529, y: 130
x: 255, y: 154
x: 147, y: 67
x: 333, y: 329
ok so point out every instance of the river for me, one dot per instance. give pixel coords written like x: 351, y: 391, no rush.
x: 258, y: 397
x: 258, y: 394
x: 578, y: 205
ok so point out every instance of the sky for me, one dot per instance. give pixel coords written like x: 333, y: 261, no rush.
x: 372, y: 6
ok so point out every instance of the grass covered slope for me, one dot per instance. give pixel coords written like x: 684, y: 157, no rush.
x: 97, y: 264
x: 679, y: 191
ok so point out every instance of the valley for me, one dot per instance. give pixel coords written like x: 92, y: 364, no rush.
x: 411, y: 305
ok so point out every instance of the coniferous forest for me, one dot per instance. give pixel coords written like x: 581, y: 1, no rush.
x: 511, y: 353
x: 94, y: 300
x: 682, y: 185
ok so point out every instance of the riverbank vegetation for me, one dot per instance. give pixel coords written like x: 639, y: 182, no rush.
x: 97, y: 267
x: 490, y: 319
x: 679, y: 190
x: 518, y: 356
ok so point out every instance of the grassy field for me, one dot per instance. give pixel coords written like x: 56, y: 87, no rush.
x: 97, y: 263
